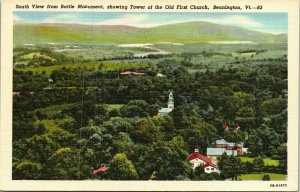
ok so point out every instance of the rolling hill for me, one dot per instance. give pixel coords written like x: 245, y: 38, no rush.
x: 189, y: 32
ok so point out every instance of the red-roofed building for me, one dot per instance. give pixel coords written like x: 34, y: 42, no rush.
x: 211, y: 168
x: 225, y: 127
x: 197, y: 159
x: 137, y: 73
x: 100, y: 169
x: 126, y: 73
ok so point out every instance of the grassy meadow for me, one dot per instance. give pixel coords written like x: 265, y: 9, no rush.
x: 259, y: 176
x: 267, y: 161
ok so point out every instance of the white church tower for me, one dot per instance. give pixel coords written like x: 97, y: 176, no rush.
x: 166, y: 111
x: 171, y: 101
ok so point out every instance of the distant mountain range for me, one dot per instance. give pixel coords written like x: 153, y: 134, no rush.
x: 189, y: 32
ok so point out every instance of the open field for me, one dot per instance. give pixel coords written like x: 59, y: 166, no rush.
x: 259, y: 176
x: 104, y: 65
x: 267, y: 161
x: 53, y: 110
x: 195, y: 56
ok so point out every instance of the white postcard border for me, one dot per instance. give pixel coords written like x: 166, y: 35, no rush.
x: 6, y: 182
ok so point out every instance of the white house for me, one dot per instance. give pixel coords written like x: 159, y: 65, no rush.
x: 197, y: 159
x: 211, y: 168
x: 166, y: 111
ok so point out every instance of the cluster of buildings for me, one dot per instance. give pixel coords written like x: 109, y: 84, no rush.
x: 222, y: 146
x: 213, y: 155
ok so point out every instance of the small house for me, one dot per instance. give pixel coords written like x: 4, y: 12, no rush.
x: 211, y: 168
x: 197, y: 159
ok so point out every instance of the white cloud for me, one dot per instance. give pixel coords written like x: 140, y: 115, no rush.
x: 49, y: 20
x: 132, y: 19
x: 17, y: 18
x: 61, y: 18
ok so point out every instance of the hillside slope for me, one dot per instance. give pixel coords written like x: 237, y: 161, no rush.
x: 190, y: 32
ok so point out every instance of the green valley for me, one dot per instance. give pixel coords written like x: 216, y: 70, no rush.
x: 186, y: 101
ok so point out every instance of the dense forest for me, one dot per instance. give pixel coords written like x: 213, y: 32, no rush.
x: 71, y: 120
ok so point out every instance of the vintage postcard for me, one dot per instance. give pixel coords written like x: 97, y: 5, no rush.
x: 149, y: 96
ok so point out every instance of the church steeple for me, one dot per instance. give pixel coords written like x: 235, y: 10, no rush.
x: 166, y: 111
x: 171, y: 101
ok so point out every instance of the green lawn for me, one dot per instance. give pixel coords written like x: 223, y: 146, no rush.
x: 35, y: 54
x: 259, y: 176
x: 50, y: 125
x: 53, y: 125
x: 114, y: 106
x: 267, y: 161
x: 53, y: 110
x: 89, y: 65
x: 271, y: 162
x: 51, y: 122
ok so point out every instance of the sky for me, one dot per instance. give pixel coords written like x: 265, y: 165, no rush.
x: 265, y: 22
